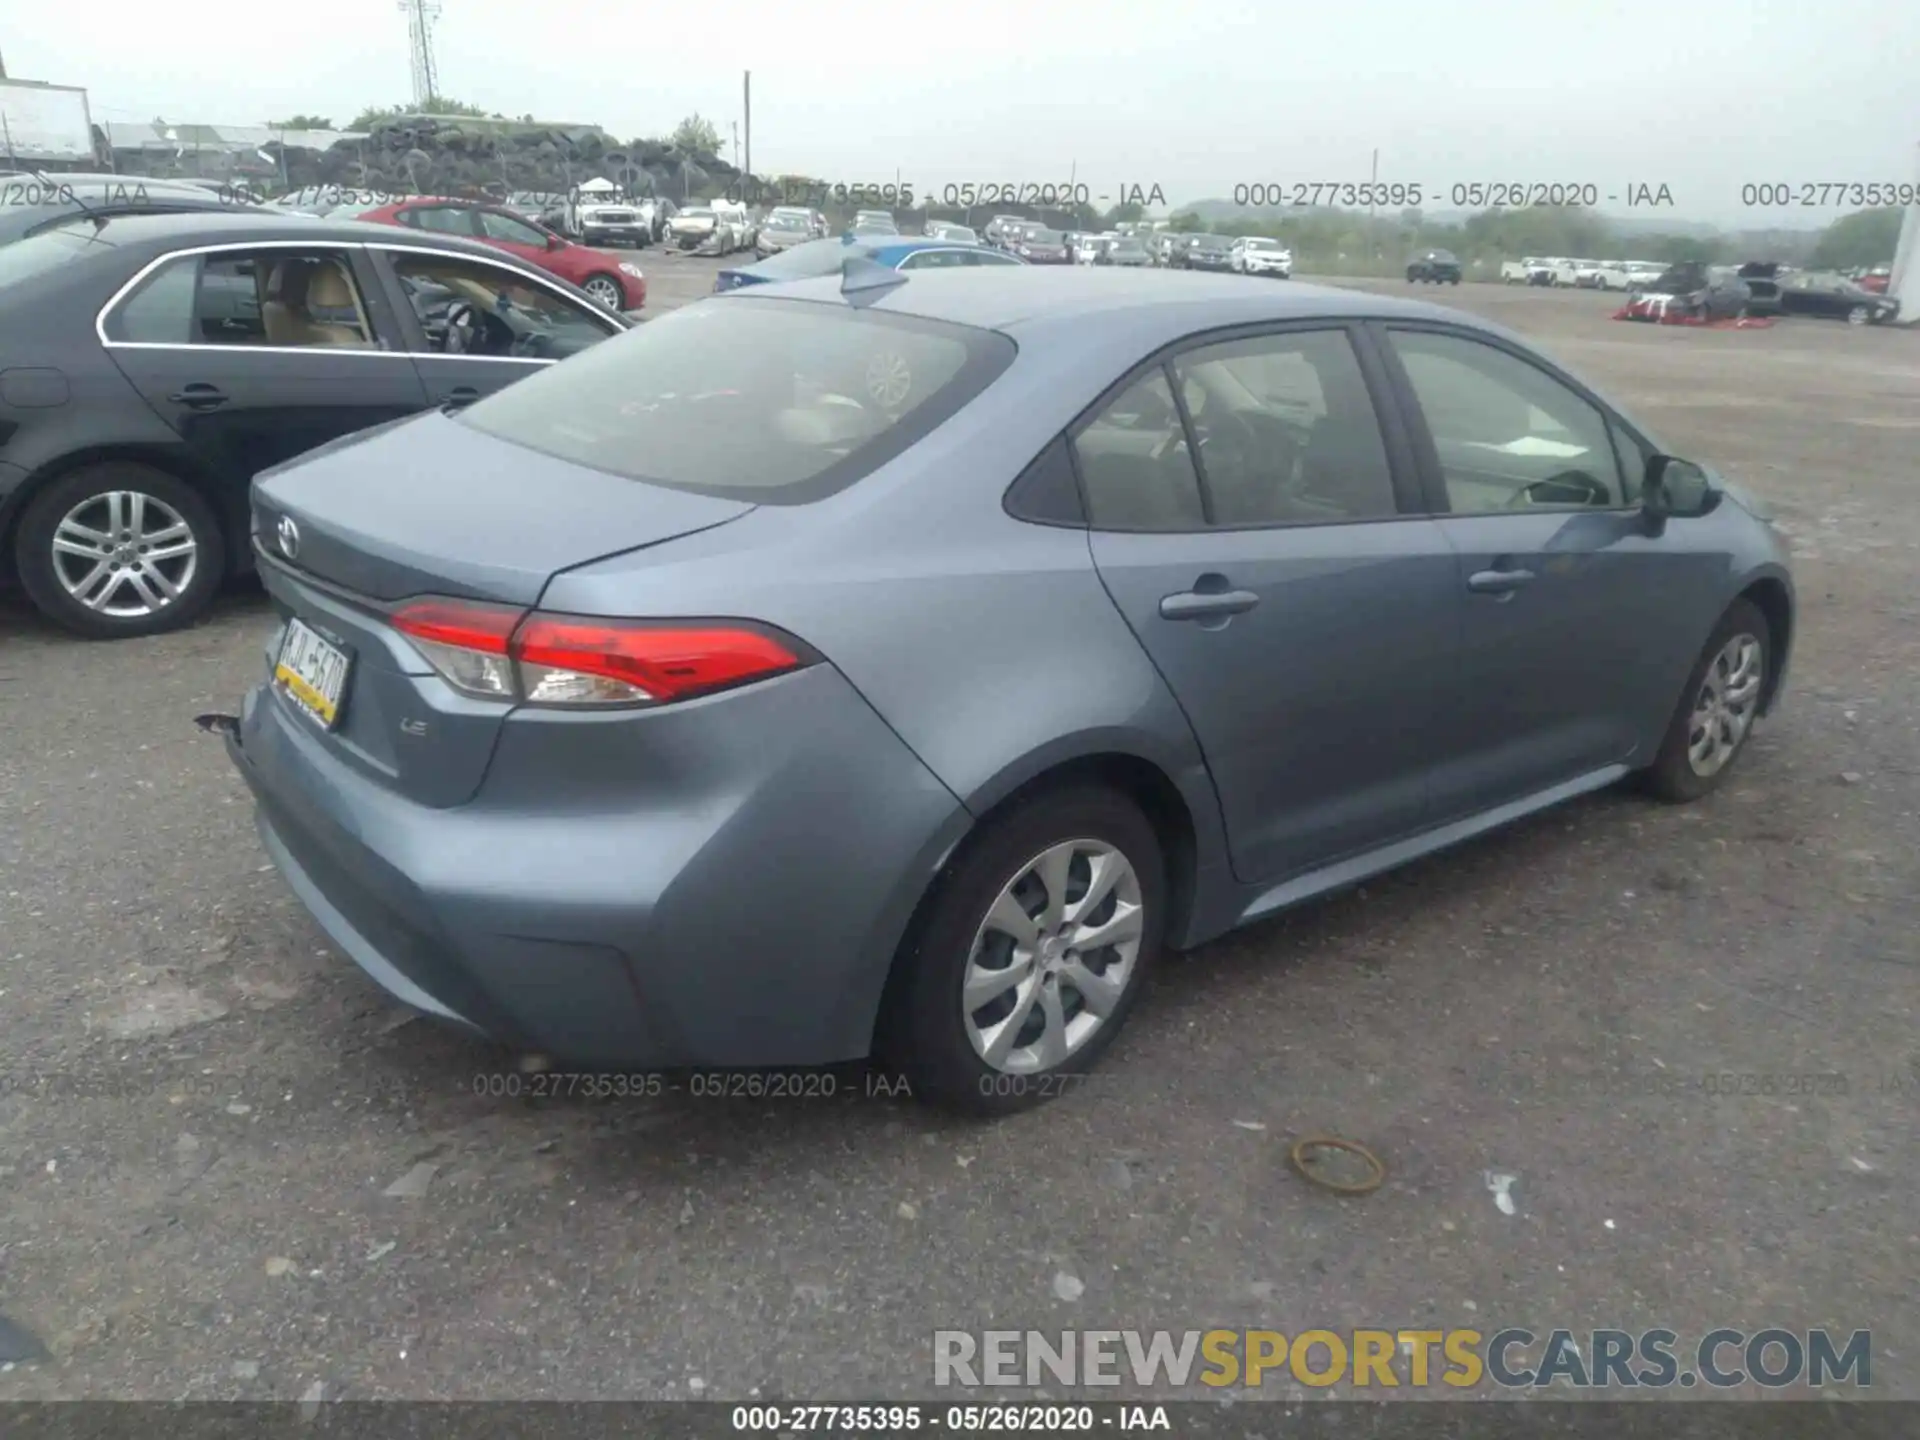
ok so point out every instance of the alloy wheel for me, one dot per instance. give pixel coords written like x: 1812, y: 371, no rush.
x: 124, y: 554
x: 1724, y: 708
x: 1857, y: 315
x: 1053, y: 958
x: 604, y: 290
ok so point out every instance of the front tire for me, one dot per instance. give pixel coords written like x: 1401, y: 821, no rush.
x: 120, y: 550
x: 1714, y: 718
x: 1859, y: 315
x: 1034, y: 951
x: 606, y: 289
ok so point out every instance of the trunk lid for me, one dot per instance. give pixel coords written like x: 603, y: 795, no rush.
x: 428, y: 506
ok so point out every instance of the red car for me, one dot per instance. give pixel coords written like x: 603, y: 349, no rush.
x: 615, y: 282
x: 1876, y: 279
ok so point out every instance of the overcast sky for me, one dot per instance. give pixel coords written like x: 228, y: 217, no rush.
x: 1698, y: 95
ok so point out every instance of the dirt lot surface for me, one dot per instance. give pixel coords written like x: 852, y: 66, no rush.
x: 1687, y: 1034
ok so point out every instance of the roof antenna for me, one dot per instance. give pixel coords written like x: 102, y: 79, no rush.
x: 863, y: 281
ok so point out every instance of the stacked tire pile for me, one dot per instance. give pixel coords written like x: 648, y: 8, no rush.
x: 432, y: 156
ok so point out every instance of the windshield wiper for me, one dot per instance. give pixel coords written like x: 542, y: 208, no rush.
x: 85, y: 209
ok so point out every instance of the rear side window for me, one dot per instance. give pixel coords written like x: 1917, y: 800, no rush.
x: 160, y: 312
x: 772, y: 401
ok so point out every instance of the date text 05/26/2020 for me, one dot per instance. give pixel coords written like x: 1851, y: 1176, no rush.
x: 799, y: 192
x: 1460, y: 194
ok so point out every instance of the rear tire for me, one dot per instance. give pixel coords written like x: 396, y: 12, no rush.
x: 137, y: 505
x: 927, y: 1031
x: 1714, y: 717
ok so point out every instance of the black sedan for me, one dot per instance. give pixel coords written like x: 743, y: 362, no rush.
x: 1434, y: 267
x: 1833, y: 297
x: 32, y: 203
x: 151, y: 365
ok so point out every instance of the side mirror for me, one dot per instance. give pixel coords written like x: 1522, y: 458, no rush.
x: 556, y: 242
x: 1676, y: 489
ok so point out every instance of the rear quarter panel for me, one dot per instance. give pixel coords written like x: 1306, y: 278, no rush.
x: 101, y: 414
x: 988, y: 644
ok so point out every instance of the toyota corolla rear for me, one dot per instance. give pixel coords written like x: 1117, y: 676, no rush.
x: 624, y: 832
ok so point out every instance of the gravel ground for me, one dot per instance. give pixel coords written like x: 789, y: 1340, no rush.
x: 203, y: 1109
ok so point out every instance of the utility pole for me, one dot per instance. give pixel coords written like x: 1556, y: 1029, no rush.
x: 746, y: 111
x: 420, y: 17
x: 3, y: 67
x: 1373, y: 241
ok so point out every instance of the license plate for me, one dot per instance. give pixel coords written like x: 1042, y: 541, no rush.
x: 312, y: 672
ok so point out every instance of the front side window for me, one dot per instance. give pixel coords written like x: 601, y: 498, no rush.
x: 279, y: 298
x: 468, y: 307
x: 1136, y: 465
x: 1288, y: 432
x: 1510, y: 437
x: 777, y: 402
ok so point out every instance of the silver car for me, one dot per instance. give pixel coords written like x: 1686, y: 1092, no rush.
x: 900, y: 664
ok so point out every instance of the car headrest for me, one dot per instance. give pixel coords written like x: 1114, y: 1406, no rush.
x: 287, y: 282
x: 328, y: 288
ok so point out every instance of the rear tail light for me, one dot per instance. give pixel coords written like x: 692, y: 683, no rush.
x: 495, y: 653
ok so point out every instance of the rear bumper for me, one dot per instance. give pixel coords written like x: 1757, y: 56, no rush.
x: 741, y: 909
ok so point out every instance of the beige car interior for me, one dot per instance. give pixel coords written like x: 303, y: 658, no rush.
x: 295, y: 288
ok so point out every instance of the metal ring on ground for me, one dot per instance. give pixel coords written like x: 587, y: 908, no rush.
x: 1302, y: 1148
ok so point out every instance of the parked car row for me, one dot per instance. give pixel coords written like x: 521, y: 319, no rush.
x: 1762, y: 288
x: 1581, y: 274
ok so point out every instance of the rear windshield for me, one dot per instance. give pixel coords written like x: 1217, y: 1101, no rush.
x: 771, y: 401
x: 1045, y: 237
x: 37, y: 255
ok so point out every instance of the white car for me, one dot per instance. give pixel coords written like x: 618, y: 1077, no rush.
x: 742, y: 229
x: 692, y: 227
x: 1522, y: 272
x: 1257, y: 255
x: 612, y: 222
x: 1586, y: 273
x: 1631, y: 275
x: 1564, y: 271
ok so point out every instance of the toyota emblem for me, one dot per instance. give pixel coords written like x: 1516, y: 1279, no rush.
x: 289, y: 537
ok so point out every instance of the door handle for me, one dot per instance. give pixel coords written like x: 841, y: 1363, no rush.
x: 1498, y: 582
x: 462, y: 395
x: 199, y: 396
x: 1207, y: 604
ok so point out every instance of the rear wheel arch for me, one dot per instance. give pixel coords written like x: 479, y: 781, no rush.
x: 1140, y: 781
x: 1769, y: 596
